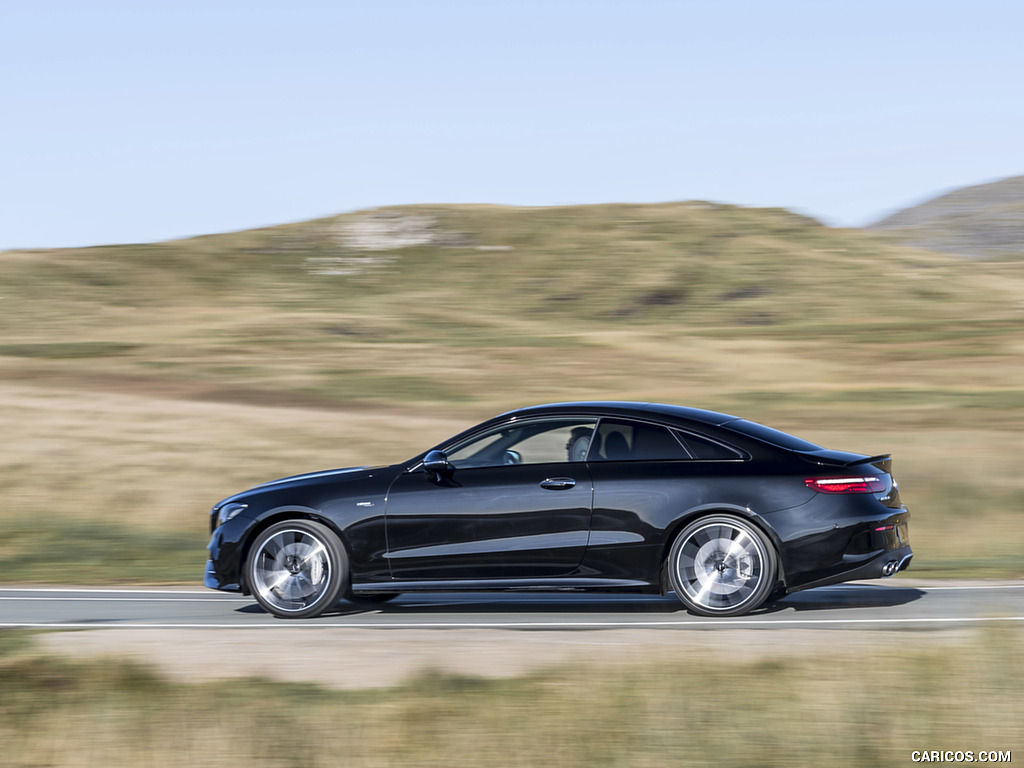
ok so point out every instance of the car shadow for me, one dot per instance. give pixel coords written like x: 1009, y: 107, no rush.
x: 480, y: 603
x: 846, y: 596
x: 833, y: 598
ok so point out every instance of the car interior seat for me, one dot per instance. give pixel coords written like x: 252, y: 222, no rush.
x: 615, y: 447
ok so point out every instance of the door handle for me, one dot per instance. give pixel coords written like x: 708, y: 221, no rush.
x: 558, y: 483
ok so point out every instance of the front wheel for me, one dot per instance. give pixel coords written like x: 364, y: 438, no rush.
x: 297, y: 569
x: 722, y: 566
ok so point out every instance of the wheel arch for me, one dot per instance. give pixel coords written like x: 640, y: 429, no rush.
x: 273, y: 517
x: 709, y: 510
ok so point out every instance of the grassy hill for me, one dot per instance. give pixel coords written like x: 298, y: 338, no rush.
x: 383, y: 305
x: 141, y: 383
x: 986, y: 220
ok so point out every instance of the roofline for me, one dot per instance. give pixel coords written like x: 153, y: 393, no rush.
x: 625, y: 408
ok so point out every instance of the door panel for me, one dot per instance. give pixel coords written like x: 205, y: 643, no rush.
x: 517, y: 521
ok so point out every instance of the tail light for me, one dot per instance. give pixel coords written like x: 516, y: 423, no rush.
x: 868, y: 484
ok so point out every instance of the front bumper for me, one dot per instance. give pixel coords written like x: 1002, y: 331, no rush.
x: 211, y: 580
x: 224, y: 566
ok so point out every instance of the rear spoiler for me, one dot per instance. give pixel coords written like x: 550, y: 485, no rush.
x: 882, y: 462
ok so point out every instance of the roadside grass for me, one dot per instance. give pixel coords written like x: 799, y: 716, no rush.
x: 835, y: 707
x: 139, y: 384
x: 60, y: 549
x: 105, y: 488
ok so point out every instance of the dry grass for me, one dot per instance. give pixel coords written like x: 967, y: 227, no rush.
x: 139, y: 384
x: 867, y: 708
x: 104, y: 487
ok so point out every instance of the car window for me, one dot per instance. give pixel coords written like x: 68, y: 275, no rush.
x: 704, y: 449
x: 542, y: 441
x: 621, y: 440
x: 769, y: 435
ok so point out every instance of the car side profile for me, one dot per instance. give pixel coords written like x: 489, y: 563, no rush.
x: 726, y: 513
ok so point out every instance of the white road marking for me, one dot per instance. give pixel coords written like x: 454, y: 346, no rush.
x: 212, y: 594
x: 113, y: 591
x: 212, y: 599
x: 971, y: 586
x: 721, y: 623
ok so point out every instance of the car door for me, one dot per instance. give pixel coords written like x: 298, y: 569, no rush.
x: 512, y: 506
x: 645, y: 476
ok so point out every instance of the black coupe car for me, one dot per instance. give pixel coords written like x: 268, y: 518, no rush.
x: 611, y: 496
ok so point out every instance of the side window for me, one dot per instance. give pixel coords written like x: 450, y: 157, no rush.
x: 706, y: 449
x: 621, y: 440
x: 544, y: 441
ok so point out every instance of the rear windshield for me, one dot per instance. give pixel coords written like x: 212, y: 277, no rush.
x: 769, y: 435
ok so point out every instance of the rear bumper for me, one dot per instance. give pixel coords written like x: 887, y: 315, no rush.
x: 854, y: 537
x: 878, y: 567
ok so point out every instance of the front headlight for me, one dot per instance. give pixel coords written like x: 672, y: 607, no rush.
x: 229, y: 511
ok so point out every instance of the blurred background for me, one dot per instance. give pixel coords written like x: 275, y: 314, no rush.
x: 785, y: 211
x: 142, y: 383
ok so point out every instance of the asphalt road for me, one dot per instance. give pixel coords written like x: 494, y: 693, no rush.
x: 854, y: 606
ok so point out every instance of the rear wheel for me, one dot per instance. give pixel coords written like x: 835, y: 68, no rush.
x: 722, y: 566
x: 297, y: 569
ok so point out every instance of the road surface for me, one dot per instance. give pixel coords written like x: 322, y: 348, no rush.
x: 195, y: 634
x: 860, y: 605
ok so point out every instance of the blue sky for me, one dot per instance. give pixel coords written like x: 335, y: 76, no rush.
x: 140, y: 121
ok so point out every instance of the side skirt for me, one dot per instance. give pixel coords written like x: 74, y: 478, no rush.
x: 571, y: 584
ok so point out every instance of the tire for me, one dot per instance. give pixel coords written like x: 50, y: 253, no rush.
x: 297, y: 569
x: 722, y: 566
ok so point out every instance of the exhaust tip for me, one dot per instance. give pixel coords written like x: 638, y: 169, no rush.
x: 890, y: 568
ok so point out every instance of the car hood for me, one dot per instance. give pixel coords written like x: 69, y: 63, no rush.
x: 346, y: 474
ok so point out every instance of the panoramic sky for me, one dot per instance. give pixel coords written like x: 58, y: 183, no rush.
x: 139, y: 121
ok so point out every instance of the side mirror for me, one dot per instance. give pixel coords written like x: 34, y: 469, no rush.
x: 436, y: 463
